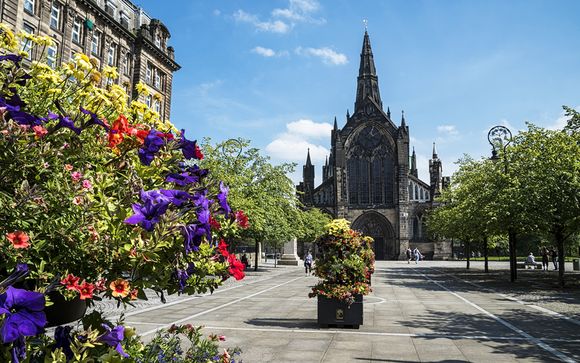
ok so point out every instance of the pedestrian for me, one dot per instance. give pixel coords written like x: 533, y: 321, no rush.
x: 409, y: 254
x: 554, y: 256
x: 531, y: 261
x: 308, y: 263
x: 417, y: 255
x: 244, y: 260
x: 545, y: 261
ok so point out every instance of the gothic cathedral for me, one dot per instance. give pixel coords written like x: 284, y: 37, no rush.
x: 370, y: 177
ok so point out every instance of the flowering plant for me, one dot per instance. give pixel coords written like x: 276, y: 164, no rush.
x: 345, y: 263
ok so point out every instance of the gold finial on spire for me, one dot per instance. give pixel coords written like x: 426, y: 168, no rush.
x: 366, y: 23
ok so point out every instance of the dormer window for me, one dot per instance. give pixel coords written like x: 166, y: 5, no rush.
x: 158, y: 41
x: 111, y: 8
x: 124, y: 20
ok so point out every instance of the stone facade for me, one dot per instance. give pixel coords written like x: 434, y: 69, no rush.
x: 370, y: 177
x: 115, y: 32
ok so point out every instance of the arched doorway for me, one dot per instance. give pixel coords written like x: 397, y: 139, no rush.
x: 380, y: 229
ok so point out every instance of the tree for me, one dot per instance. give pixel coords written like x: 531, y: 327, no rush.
x: 259, y: 188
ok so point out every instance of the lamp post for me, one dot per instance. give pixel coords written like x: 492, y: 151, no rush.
x: 499, y: 137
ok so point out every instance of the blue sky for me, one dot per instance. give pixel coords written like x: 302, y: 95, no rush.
x: 277, y: 72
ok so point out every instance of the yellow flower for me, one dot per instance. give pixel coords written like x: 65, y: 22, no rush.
x: 142, y: 89
x: 120, y: 288
x: 157, y: 96
x: 82, y: 61
x: 110, y: 72
x: 7, y: 38
x: 44, y: 40
x: 96, y: 77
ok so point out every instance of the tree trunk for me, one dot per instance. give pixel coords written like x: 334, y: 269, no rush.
x: 468, y: 254
x: 559, y: 236
x: 256, y: 255
x: 486, y: 268
x: 513, y: 255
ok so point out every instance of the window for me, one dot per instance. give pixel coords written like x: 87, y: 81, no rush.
x: 157, y: 106
x: 111, y: 54
x: 51, y: 55
x: 95, y: 43
x: 157, y: 79
x: 111, y: 8
x: 55, y: 15
x: 124, y: 20
x: 125, y: 64
x: 148, y: 101
x: 29, y: 6
x: 148, y: 73
x: 26, y: 44
x: 158, y: 41
x: 76, y: 31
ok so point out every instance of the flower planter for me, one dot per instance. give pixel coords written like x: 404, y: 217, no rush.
x: 62, y: 311
x: 338, y: 313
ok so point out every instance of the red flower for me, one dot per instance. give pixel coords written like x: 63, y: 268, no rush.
x: 39, y: 131
x: 86, y: 290
x: 242, y: 219
x: 223, y: 248
x: 198, y: 153
x: 120, y: 288
x: 236, y: 268
x: 18, y: 239
x: 71, y: 282
x: 214, y: 223
x: 134, y: 294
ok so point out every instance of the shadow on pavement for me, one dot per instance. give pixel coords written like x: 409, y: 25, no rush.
x: 285, y: 323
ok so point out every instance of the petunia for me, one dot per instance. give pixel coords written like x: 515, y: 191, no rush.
x: 182, y: 179
x: 71, y: 282
x: 223, y: 248
x: 86, y: 290
x: 214, y: 223
x: 242, y: 219
x: 120, y: 288
x: 87, y: 184
x: 114, y: 337
x: 177, y: 197
x: 193, y: 236
x: 39, y: 131
x: 20, y: 272
x: 223, y: 199
x: 66, y: 122
x: 19, y: 239
x: 94, y: 120
x: 189, y: 148
x: 148, y: 214
x: 14, y: 58
x: 151, y: 146
x: 63, y: 340
x: 76, y: 176
x: 23, y: 314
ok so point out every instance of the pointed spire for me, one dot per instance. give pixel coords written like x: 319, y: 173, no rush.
x: 434, y: 152
x: 414, y: 163
x: 367, y: 81
x: 403, y: 118
x: 308, y: 162
x: 326, y: 162
x: 347, y: 114
x: 335, y: 124
x: 388, y: 112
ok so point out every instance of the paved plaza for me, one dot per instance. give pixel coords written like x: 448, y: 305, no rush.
x: 430, y: 312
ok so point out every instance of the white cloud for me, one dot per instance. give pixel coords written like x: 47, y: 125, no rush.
x: 217, y: 12
x: 327, y: 55
x: 309, y: 129
x: 300, y: 11
x: 266, y: 52
x: 293, y: 144
x: 447, y: 129
x: 561, y: 121
x: 276, y: 26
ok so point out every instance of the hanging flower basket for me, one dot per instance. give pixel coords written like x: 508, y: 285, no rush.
x: 64, y: 311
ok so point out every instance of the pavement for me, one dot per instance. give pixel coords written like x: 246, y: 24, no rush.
x: 434, y: 311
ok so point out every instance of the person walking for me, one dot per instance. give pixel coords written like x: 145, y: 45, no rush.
x: 545, y: 261
x: 409, y: 254
x: 554, y: 256
x: 308, y: 263
x: 417, y: 255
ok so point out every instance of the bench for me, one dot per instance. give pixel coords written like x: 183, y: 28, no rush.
x: 524, y: 264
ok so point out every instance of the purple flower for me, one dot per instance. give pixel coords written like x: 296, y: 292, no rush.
x: 151, y: 146
x: 223, y: 198
x: 63, y: 121
x: 148, y: 214
x: 177, y: 197
x: 94, y: 120
x: 20, y: 272
x: 14, y: 107
x: 63, y: 339
x: 182, y: 277
x: 182, y: 179
x: 188, y: 148
x: 23, y: 314
x: 113, y: 338
x: 193, y: 236
x: 14, y: 58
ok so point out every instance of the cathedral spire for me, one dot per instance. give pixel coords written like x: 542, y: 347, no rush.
x: 388, y: 112
x: 335, y: 124
x: 434, y: 152
x: 367, y: 81
x: 308, y: 162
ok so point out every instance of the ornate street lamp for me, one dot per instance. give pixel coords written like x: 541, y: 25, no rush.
x: 499, y: 138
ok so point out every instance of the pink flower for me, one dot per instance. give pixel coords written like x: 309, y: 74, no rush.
x: 78, y: 200
x: 87, y: 184
x: 68, y: 167
x: 45, y: 165
x: 24, y: 128
x: 76, y: 176
x: 4, y: 132
x: 101, y: 285
x: 40, y: 131
x: 66, y: 145
x: 94, y: 233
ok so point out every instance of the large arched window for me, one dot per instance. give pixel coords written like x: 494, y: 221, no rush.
x: 370, y: 168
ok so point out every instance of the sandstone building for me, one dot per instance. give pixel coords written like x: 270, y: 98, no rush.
x: 371, y: 178
x: 115, y: 32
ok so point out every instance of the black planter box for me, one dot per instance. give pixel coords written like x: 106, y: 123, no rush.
x: 338, y: 313
x: 62, y: 311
